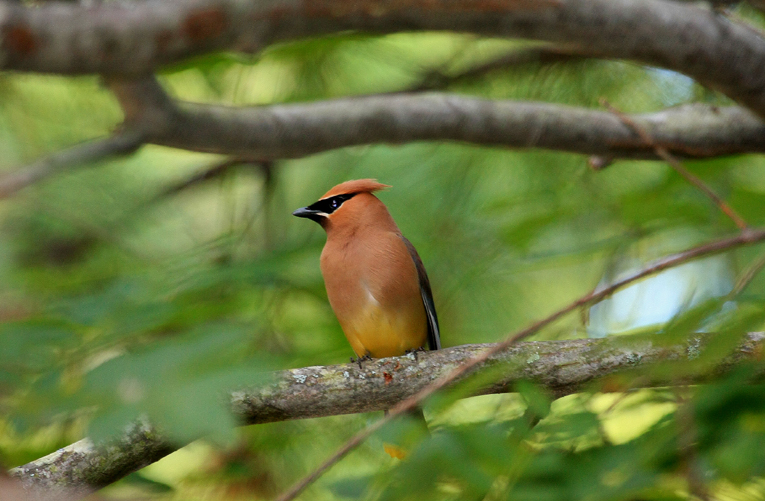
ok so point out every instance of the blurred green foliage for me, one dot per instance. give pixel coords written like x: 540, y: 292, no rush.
x: 118, y: 299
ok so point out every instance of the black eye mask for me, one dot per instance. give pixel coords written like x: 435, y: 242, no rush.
x: 331, y: 204
x: 323, y: 208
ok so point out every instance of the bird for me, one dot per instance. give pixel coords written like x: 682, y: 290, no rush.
x: 375, y: 280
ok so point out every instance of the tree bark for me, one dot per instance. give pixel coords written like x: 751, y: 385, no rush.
x: 137, y: 38
x: 563, y: 367
x: 297, y: 130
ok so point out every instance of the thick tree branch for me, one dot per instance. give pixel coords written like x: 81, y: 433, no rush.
x: 79, y: 469
x: 11, y: 489
x: 295, y: 130
x: 121, y: 143
x: 563, y: 367
x: 135, y: 38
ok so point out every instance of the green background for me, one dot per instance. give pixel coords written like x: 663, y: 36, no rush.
x: 120, y: 295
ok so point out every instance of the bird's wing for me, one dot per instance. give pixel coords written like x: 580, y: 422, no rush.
x: 434, y: 334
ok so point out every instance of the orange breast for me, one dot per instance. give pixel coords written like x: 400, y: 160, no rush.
x: 374, y: 290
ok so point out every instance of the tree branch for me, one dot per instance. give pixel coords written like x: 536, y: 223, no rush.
x: 133, y: 39
x: 121, y: 143
x: 436, y: 79
x: 296, y: 130
x: 79, y: 469
x: 563, y: 367
x: 213, y: 171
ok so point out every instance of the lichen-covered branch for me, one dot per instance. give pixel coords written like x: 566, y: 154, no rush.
x: 295, y: 130
x: 563, y: 367
x: 136, y: 38
x: 80, y: 469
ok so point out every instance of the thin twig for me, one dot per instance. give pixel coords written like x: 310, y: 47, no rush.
x: 211, y: 172
x: 437, y: 79
x: 121, y: 143
x: 663, y: 153
x: 747, y: 277
x: 747, y: 237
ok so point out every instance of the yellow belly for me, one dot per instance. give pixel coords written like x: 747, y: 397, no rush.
x: 378, y: 333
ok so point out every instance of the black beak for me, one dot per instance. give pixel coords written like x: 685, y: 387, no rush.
x: 310, y: 214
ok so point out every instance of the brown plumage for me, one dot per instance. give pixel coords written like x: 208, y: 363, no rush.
x: 376, y: 283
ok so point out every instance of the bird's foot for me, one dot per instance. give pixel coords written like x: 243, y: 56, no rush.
x: 414, y: 352
x: 361, y: 359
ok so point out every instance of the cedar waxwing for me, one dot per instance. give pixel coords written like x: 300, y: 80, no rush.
x: 376, y: 283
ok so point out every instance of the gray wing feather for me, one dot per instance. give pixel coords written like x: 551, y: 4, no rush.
x: 434, y: 333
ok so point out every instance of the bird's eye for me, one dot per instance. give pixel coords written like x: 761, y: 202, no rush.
x: 334, y: 203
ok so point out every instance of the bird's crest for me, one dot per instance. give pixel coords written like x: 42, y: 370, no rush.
x: 355, y: 186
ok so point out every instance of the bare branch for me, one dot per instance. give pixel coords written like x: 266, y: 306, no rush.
x: 136, y: 38
x: 121, y: 143
x: 679, y: 167
x: 746, y: 237
x: 211, y: 172
x: 296, y: 130
x: 564, y: 367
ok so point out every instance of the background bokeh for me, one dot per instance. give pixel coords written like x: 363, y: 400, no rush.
x: 126, y: 289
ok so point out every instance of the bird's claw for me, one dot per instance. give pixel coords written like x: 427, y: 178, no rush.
x: 414, y: 352
x: 361, y: 359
